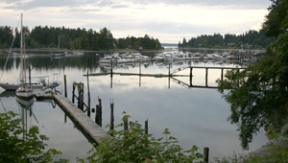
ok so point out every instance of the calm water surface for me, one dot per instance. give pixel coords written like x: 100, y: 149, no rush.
x: 195, y: 116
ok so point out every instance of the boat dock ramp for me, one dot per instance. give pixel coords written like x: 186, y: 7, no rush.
x: 93, y: 130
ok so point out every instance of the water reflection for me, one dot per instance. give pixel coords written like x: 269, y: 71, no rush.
x: 195, y: 116
x: 52, y: 122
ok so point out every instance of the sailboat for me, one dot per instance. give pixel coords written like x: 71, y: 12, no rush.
x: 25, y: 91
x: 12, y: 86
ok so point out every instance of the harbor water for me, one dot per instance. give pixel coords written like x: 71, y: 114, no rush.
x: 194, y: 115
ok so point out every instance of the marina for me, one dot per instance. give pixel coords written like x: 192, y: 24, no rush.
x: 195, y: 116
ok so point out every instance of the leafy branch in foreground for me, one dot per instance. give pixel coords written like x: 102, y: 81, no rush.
x: 19, y: 145
x: 133, y: 145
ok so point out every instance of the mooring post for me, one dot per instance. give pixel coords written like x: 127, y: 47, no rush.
x: 140, y: 67
x: 146, y: 127
x: 73, y: 93
x: 100, y: 111
x: 169, y: 71
x: 112, y: 115
x: 97, y: 115
x: 89, y: 99
x: 206, y: 154
x: 169, y: 75
x: 111, y: 76
x: 65, y: 86
x: 191, y: 69
x: 111, y: 71
x: 81, y: 96
x: 206, y: 78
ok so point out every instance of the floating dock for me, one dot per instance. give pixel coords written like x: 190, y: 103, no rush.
x: 97, y: 133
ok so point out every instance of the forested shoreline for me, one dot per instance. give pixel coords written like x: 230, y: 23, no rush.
x: 67, y: 38
x: 249, y: 40
x: 71, y: 39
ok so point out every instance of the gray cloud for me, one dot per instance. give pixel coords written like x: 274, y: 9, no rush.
x: 20, y: 4
x: 140, y: 17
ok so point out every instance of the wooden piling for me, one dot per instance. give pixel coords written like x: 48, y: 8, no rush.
x: 80, y: 102
x: 97, y: 115
x: 73, y: 94
x: 206, y: 78
x: 81, y: 96
x: 146, y: 126
x: 112, y: 116
x: 206, y: 154
x: 111, y: 71
x: 65, y: 86
x: 169, y: 71
x: 190, y: 76
x: 100, y: 112
x: 89, y: 99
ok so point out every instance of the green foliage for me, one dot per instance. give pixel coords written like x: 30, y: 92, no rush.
x: 258, y: 95
x: 141, y: 43
x: 250, y: 39
x: 276, y: 21
x: 133, y: 145
x: 18, y: 145
x: 51, y: 37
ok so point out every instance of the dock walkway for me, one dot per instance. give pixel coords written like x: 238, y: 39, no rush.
x: 96, y: 132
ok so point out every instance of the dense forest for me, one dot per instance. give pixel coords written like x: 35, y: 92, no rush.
x: 250, y: 39
x: 51, y: 37
x: 67, y: 38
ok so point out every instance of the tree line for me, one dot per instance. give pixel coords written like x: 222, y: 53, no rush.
x: 67, y: 38
x: 258, y: 95
x: 250, y: 39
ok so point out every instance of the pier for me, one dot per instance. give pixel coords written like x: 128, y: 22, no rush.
x: 172, y: 74
x: 94, y: 131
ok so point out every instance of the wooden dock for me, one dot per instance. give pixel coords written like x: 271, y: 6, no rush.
x: 96, y: 132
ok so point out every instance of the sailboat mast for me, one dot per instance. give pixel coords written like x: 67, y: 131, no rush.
x: 21, y: 32
x: 21, y: 49
x: 22, y: 53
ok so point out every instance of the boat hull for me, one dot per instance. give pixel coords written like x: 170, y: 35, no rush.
x: 25, y: 103
x: 14, y: 86
x: 24, y: 93
x: 10, y: 86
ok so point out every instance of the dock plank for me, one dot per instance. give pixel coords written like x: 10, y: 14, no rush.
x: 96, y: 132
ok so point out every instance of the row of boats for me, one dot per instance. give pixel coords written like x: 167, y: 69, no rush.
x: 165, y: 56
x: 27, y: 91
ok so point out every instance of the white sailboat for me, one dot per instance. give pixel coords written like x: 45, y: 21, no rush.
x: 12, y: 86
x: 24, y: 92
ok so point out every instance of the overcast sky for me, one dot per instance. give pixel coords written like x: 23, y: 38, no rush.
x: 168, y: 20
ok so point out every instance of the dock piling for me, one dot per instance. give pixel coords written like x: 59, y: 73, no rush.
x: 190, y: 76
x: 112, y: 115
x: 146, y: 127
x: 206, y: 154
x: 206, y: 78
x: 89, y: 99
x: 65, y: 86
